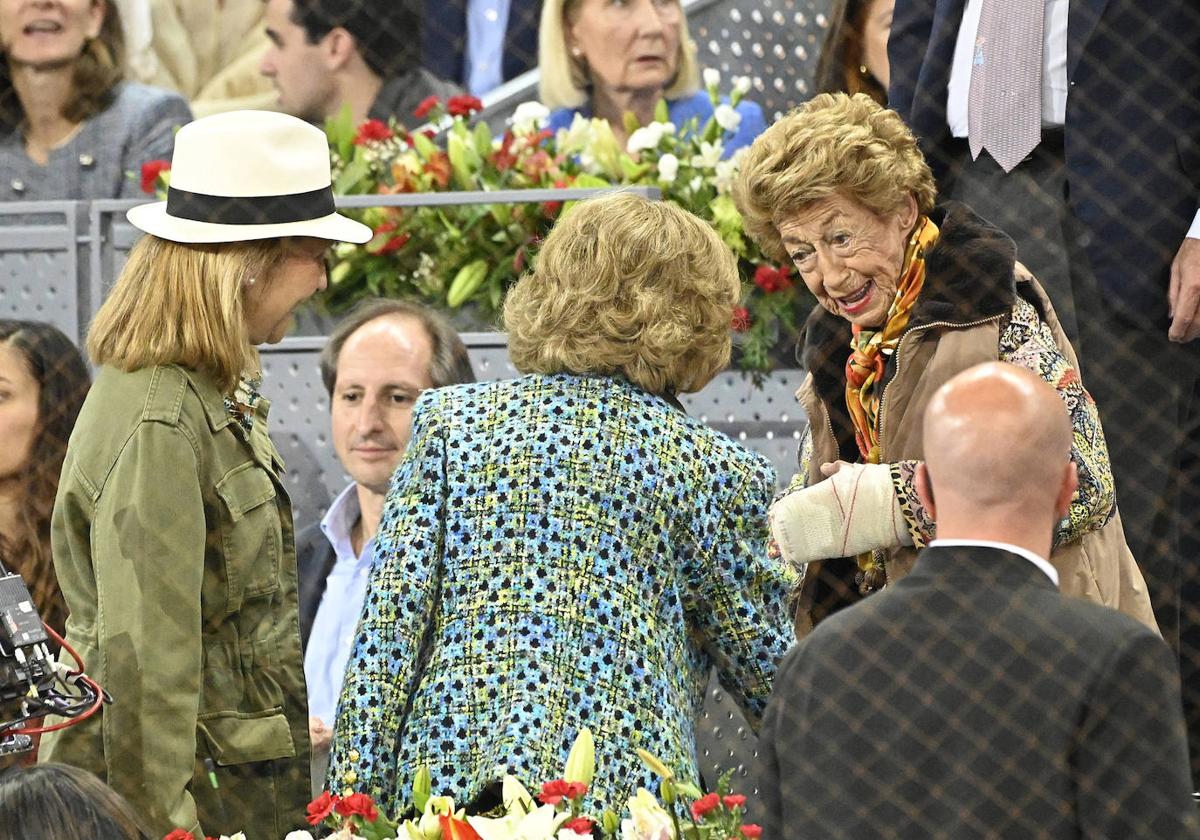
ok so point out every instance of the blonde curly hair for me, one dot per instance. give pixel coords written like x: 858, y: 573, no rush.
x: 624, y: 285
x: 834, y: 143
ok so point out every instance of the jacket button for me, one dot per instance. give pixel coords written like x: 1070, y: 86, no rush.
x: 18, y: 185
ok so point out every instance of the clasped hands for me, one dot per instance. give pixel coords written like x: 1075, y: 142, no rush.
x: 853, y: 510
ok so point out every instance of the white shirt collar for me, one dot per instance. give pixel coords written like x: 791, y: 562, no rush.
x: 339, y: 520
x: 1041, y: 562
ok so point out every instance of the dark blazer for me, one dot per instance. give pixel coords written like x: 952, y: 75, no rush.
x: 444, y: 38
x: 1132, y: 127
x: 314, y: 561
x: 971, y: 699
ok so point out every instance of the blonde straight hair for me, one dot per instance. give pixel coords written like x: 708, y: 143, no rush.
x: 183, y: 304
x: 564, y: 80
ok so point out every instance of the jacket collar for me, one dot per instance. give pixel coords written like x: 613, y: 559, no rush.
x: 968, y: 277
x: 971, y: 567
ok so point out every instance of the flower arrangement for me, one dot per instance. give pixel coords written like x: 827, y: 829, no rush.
x: 556, y: 813
x: 471, y: 254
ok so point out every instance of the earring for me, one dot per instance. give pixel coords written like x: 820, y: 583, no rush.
x: 250, y: 281
x: 577, y: 52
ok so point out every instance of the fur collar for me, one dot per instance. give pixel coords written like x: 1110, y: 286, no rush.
x: 968, y: 277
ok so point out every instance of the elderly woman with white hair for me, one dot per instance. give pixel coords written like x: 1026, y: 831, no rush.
x: 603, y: 59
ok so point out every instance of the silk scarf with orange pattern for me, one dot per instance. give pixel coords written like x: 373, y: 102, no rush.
x: 870, y: 349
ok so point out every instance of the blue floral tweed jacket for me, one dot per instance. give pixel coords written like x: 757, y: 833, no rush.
x: 557, y: 552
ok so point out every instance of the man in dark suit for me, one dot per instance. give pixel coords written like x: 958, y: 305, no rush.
x: 1104, y: 212
x: 972, y: 699
x: 375, y: 365
x: 480, y: 43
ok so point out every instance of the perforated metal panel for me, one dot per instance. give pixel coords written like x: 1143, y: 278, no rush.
x: 39, y: 263
x: 774, y: 42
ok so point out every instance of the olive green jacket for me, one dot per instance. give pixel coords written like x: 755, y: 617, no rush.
x: 173, y: 544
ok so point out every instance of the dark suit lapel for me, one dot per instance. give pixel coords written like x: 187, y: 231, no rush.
x: 1082, y: 18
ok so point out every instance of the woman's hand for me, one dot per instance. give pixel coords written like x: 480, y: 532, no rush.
x: 855, y: 510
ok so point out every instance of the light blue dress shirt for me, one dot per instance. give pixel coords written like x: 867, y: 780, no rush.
x: 332, y: 636
x: 487, y: 23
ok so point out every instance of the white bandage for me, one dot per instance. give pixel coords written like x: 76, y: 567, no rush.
x: 852, y: 511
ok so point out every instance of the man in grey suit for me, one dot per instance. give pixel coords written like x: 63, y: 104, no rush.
x: 971, y: 699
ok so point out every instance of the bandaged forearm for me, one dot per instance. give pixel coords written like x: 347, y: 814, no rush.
x: 853, y: 511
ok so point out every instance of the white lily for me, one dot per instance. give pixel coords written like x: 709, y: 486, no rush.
x: 712, y: 77
x: 727, y: 170
x: 298, y: 835
x: 646, y: 137
x: 742, y: 84
x: 538, y: 824
x: 668, y: 168
x: 517, y: 799
x: 710, y: 155
x: 727, y: 117
x: 648, y: 820
x: 528, y: 117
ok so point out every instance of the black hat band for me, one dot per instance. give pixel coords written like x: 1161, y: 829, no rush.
x: 250, y: 210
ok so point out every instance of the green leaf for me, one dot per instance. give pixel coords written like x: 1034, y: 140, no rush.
x: 422, y: 788
x: 662, y: 112
x: 340, y: 130
x: 483, y: 139
x: 634, y: 172
x: 423, y: 145
x: 631, y: 122
x: 461, y: 157
x: 355, y: 172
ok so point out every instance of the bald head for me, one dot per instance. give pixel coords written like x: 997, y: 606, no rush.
x: 997, y: 443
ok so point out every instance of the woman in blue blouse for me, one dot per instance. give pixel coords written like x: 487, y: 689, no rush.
x: 603, y: 58
x: 569, y: 549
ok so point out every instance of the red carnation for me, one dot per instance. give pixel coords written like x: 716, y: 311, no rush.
x: 503, y: 159
x: 704, y: 804
x: 427, y: 105
x: 550, y: 208
x: 371, y: 131
x: 392, y: 243
x: 741, y: 319
x: 751, y: 831
x: 580, y: 825
x: 151, y: 169
x: 734, y: 800
x: 463, y: 106
x: 558, y: 790
x: 321, y: 807
x: 772, y: 279
x: 180, y: 834
x: 360, y: 804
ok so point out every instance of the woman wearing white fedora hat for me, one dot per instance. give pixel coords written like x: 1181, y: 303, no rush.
x: 172, y: 531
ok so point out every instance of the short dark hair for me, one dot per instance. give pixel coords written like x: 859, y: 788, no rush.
x: 58, y: 802
x: 388, y: 32
x: 450, y: 364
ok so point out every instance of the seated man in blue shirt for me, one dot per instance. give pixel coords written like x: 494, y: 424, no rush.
x: 377, y: 362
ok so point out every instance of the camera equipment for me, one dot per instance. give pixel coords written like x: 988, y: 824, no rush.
x: 32, y: 683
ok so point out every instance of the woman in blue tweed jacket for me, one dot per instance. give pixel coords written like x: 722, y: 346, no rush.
x: 569, y: 549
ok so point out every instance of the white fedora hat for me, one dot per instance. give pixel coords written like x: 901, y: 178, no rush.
x: 246, y: 175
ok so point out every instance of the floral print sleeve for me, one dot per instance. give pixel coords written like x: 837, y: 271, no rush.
x: 920, y: 524
x: 1027, y: 341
